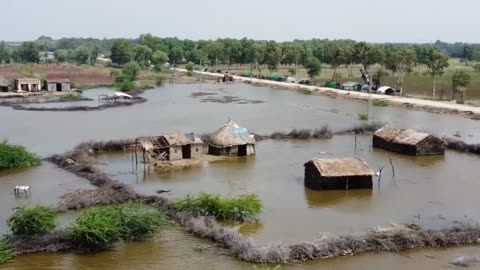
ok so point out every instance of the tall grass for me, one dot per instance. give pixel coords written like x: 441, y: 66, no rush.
x: 101, y: 227
x: 242, y: 208
x: 362, y: 116
x: 380, y: 103
x: 6, y: 253
x: 16, y: 156
x: 71, y: 97
x: 30, y: 222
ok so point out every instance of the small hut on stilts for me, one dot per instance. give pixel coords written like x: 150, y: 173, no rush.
x: 231, y: 140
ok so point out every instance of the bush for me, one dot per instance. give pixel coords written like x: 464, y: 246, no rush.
x: 31, y: 222
x: 362, y: 116
x: 131, y: 70
x: 477, y: 67
x: 380, y: 103
x: 71, y: 97
x: 101, y: 227
x: 305, y: 91
x: 189, y: 66
x: 238, y: 209
x: 6, y: 253
x: 160, y: 80
x: 16, y: 156
x: 126, y: 85
x: 190, y: 73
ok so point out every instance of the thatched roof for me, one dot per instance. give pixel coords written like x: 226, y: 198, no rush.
x: 4, y: 82
x: 180, y: 139
x: 401, y: 136
x: 339, y: 167
x: 231, y: 134
x: 149, y: 143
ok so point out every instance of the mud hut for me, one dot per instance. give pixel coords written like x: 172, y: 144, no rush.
x: 335, y: 173
x: 4, y: 84
x: 170, y: 147
x: 231, y: 140
x: 27, y: 84
x: 408, y: 142
x: 58, y: 85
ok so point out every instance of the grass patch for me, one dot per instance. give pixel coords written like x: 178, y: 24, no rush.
x: 30, y: 222
x: 101, y: 227
x: 71, y: 97
x: 242, y: 208
x: 380, y: 102
x: 6, y: 253
x: 16, y: 156
x: 362, y: 116
x: 159, y: 80
x: 305, y: 91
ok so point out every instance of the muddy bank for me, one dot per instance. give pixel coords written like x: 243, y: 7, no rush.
x: 393, y: 239
x: 461, y: 146
x: 135, y: 100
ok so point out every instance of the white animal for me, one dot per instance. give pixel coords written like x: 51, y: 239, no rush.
x: 19, y: 189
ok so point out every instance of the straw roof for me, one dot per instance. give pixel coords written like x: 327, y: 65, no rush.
x: 231, y: 134
x: 401, y: 136
x: 178, y: 139
x: 4, y: 82
x: 338, y: 167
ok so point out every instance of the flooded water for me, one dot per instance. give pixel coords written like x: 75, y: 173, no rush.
x: 432, y: 191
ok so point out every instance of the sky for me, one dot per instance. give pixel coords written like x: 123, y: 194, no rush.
x: 417, y: 21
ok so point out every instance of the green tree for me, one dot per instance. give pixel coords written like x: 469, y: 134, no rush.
x: 436, y: 63
x: 5, y: 53
x: 470, y: 54
x: 176, y: 54
x: 131, y: 70
x: 403, y: 61
x: 367, y: 55
x: 159, y: 58
x: 28, y: 52
x: 81, y: 55
x: 272, y: 56
x: 121, y: 52
x: 460, y: 82
x: 143, y: 55
x: 61, y: 55
x: 313, y: 66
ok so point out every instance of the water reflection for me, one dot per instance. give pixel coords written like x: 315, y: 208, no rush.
x: 329, y: 198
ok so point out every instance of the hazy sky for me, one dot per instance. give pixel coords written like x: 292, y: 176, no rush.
x: 370, y: 20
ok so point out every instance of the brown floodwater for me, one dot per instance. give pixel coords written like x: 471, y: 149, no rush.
x: 432, y: 191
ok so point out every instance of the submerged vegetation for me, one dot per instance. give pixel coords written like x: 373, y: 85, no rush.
x: 71, y: 97
x: 362, y: 116
x: 242, y: 208
x: 101, y: 227
x: 380, y: 102
x: 6, y: 253
x: 31, y: 222
x: 16, y: 156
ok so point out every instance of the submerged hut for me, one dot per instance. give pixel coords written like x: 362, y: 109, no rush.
x: 336, y: 173
x: 4, y: 84
x: 408, y: 142
x: 170, y: 147
x: 231, y: 140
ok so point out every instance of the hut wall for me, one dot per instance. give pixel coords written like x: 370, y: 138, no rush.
x: 66, y: 87
x: 394, y: 147
x: 431, y: 146
x: 218, y: 151
x: 314, y: 180
x: 197, y: 150
x: 250, y: 150
x: 176, y: 153
x: 51, y: 87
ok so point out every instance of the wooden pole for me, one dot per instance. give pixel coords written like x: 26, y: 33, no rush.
x: 393, y: 168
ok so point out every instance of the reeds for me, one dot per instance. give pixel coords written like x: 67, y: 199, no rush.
x: 16, y: 156
x: 31, y: 222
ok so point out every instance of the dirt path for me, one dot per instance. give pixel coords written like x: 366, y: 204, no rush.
x: 412, y: 103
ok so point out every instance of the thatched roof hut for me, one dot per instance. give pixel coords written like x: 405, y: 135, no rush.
x: 337, y: 173
x: 408, y: 142
x: 170, y: 147
x: 231, y: 140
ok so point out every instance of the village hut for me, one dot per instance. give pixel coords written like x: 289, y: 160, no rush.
x: 336, y: 173
x: 4, y: 84
x: 170, y: 147
x: 58, y: 85
x: 27, y: 84
x: 408, y: 142
x: 231, y: 140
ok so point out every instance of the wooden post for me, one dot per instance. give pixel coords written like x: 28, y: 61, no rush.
x: 393, y: 168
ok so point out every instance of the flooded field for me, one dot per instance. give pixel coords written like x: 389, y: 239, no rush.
x: 432, y: 191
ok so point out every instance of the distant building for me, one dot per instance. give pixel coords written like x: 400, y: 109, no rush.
x: 170, y: 147
x: 27, y: 84
x: 408, y: 142
x: 58, y: 85
x: 4, y: 84
x: 231, y: 140
x: 336, y: 173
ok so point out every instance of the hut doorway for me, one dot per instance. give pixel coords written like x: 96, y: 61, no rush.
x: 59, y: 87
x: 242, y: 150
x: 186, y: 151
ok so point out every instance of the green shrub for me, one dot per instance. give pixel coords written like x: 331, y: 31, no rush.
x: 239, y: 209
x: 126, y: 85
x: 362, y: 116
x: 31, y: 222
x: 477, y: 67
x: 101, y: 227
x: 6, y: 253
x: 131, y: 70
x: 189, y: 66
x: 16, y: 156
x: 159, y: 80
x: 190, y: 73
x: 380, y: 103
x: 71, y: 97
x: 305, y: 91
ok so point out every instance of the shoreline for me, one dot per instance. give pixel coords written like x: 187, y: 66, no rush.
x: 405, y: 102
